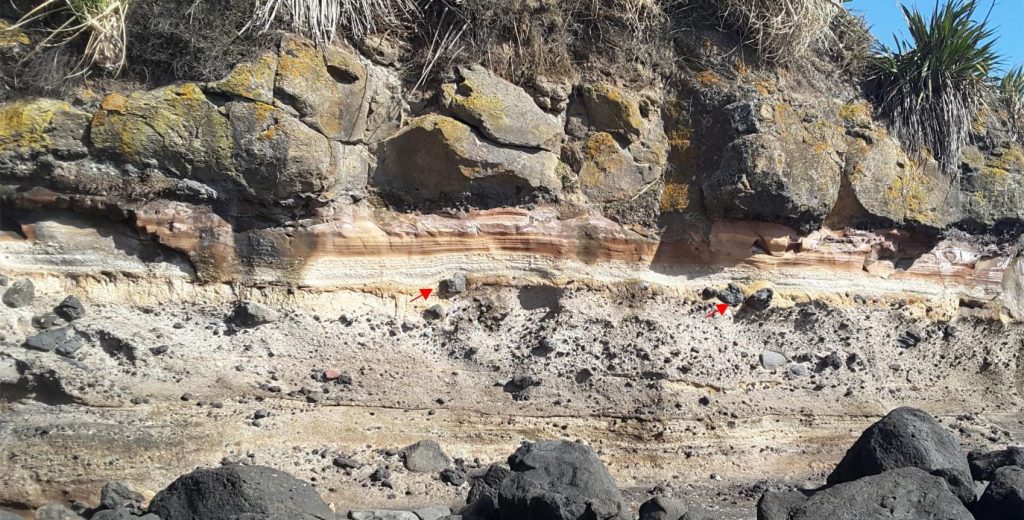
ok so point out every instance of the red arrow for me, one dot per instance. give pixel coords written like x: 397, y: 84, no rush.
x: 719, y: 309
x: 424, y: 293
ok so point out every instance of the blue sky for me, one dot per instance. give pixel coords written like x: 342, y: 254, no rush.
x: 886, y: 18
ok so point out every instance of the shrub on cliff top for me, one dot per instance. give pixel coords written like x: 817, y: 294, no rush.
x: 320, y: 19
x: 1011, y: 97
x: 930, y: 89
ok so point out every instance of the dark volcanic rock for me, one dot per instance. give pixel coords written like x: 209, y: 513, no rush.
x: 70, y: 309
x: 237, y: 491
x: 662, y: 508
x: 122, y: 514
x: 20, y: 294
x: 64, y: 341
x: 47, y: 320
x: 251, y: 314
x: 425, y: 456
x: 731, y: 295
x: 907, y: 437
x: 984, y: 465
x: 116, y: 494
x: 760, y: 300
x: 453, y: 476
x: 1004, y: 497
x: 559, y: 480
x: 776, y: 505
x: 905, y: 494
x: 482, y: 500
x: 56, y: 512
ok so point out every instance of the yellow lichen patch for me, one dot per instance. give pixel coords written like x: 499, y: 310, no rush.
x: 708, y: 78
x: 176, y: 124
x: 765, y: 88
x: 601, y: 144
x: 911, y: 191
x: 253, y: 81
x: 858, y: 112
x: 610, y: 104
x: 23, y: 126
x: 1011, y: 159
x: 675, y: 196
x: 9, y: 37
x: 114, y: 102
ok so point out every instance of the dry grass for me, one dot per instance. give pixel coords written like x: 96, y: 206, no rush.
x: 781, y: 31
x: 63, y: 22
x: 320, y: 19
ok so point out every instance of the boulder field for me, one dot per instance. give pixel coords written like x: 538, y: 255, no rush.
x: 905, y: 466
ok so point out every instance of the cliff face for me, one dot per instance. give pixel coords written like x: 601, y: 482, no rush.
x: 581, y: 215
x: 299, y: 159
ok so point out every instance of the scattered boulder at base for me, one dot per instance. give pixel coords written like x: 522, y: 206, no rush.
x: 907, y: 437
x: 559, y: 480
x: 240, y: 491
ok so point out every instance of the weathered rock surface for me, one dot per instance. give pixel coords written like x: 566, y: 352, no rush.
x: 64, y: 341
x: 907, y: 437
x: 777, y: 505
x: 249, y: 314
x: 237, y: 491
x: 1003, y: 499
x: 253, y: 81
x: 174, y: 128
x: 906, y: 493
x: 436, y: 157
x: 31, y: 127
x: 70, y: 308
x: 559, y: 480
x: 765, y: 178
x: 425, y: 456
x: 327, y: 91
x: 609, y: 172
x: 56, y: 512
x: 662, y: 508
x: 278, y: 156
x: 20, y: 293
x: 984, y: 465
x: 503, y: 112
x: 891, y: 186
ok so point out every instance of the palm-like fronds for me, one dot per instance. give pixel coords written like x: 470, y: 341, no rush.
x: 931, y: 88
x: 103, y: 20
x: 1011, y: 96
x: 320, y: 19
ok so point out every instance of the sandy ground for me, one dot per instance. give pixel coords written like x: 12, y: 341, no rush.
x: 670, y: 399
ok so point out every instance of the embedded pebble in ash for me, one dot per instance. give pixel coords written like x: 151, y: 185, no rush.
x: 20, y: 294
x: 731, y: 295
x: 346, y: 463
x: 453, y: 476
x: 772, y: 360
x: 64, y: 341
x: 380, y: 474
x: 454, y: 285
x: 761, y: 300
x: 48, y: 320
x: 247, y: 314
x: 425, y: 456
x: 797, y: 370
x: 434, y: 312
x: 909, y: 338
x: 70, y: 309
